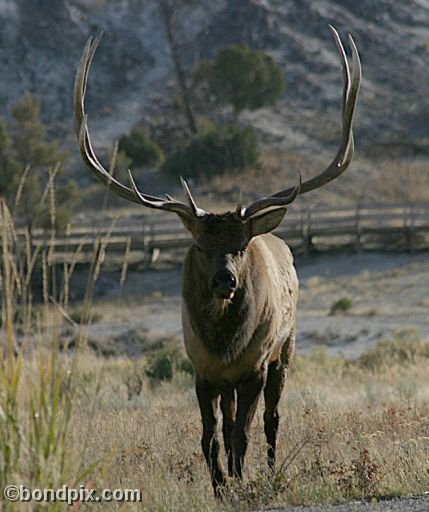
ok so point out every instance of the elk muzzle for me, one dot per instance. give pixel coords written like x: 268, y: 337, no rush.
x: 224, y: 284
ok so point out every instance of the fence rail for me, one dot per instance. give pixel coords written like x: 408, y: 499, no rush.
x: 143, y: 239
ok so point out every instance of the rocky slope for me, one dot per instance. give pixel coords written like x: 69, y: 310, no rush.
x: 41, y: 42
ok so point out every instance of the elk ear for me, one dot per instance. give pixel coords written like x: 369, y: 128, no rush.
x: 266, y: 222
x: 190, y: 222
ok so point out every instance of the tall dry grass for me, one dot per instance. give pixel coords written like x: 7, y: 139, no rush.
x: 35, y: 390
x: 37, y: 381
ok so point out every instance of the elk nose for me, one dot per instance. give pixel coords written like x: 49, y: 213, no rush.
x: 224, y: 284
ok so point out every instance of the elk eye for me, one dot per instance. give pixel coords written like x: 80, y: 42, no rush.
x: 198, y: 248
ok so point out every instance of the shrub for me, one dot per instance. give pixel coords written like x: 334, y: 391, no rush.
x: 404, y: 348
x: 214, y: 153
x: 341, y: 306
x: 83, y: 316
x: 164, y: 363
x: 140, y: 148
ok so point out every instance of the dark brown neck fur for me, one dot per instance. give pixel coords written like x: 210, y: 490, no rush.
x: 223, y: 326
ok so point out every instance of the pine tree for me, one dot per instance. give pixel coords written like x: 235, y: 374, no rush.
x: 241, y: 77
x: 27, y: 161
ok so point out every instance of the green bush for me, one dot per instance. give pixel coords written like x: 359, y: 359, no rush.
x: 140, y: 148
x: 166, y: 362
x: 83, y: 316
x: 341, y: 306
x: 214, y: 153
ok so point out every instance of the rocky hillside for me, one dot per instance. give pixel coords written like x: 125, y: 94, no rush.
x: 41, y: 42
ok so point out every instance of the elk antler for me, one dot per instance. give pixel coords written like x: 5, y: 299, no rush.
x: 92, y: 162
x: 345, y: 152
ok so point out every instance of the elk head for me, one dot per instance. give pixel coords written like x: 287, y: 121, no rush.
x: 220, y: 243
x: 221, y: 240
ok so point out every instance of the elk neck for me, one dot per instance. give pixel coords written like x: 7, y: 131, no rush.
x: 224, y: 326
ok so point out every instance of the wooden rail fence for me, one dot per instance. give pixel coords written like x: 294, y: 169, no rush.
x: 143, y: 239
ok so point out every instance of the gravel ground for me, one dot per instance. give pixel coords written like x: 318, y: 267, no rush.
x: 413, y: 504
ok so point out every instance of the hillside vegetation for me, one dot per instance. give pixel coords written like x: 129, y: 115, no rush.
x: 134, y: 72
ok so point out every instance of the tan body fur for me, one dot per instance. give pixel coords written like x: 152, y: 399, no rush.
x: 271, y: 284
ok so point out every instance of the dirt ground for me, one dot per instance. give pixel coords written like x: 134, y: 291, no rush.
x: 384, y: 294
x: 414, y: 504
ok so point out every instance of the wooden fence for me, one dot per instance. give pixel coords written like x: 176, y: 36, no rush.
x: 144, y: 239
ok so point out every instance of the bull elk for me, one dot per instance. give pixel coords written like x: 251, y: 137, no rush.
x: 239, y: 288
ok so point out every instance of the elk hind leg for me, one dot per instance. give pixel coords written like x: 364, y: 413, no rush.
x: 276, y: 378
x: 272, y: 393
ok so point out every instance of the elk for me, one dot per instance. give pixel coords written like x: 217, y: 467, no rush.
x: 239, y: 288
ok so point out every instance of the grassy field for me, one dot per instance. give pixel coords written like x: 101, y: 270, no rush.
x: 349, y: 429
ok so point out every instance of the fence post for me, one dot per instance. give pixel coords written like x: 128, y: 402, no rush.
x: 302, y: 229
x: 306, y: 233
x: 358, y: 245
x: 408, y: 224
x: 147, y: 238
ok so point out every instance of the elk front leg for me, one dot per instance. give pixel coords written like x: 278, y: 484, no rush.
x: 248, y: 392
x: 208, y: 399
x: 228, y: 405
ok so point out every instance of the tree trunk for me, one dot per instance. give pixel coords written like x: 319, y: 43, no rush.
x: 166, y: 11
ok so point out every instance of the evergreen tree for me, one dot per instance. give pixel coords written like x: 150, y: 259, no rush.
x: 9, y: 167
x: 27, y: 160
x: 242, y: 77
x: 29, y: 139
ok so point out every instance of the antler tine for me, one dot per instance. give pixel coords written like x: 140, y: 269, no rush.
x: 344, y: 67
x: 269, y: 202
x: 345, y: 152
x: 88, y: 155
x: 344, y: 156
x: 170, y: 205
x: 198, y: 212
x: 81, y: 79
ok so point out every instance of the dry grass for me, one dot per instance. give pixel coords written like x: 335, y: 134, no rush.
x: 367, y: 181
x: 399, y: 181
x: 275, y: 171
x: 349, y: 429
